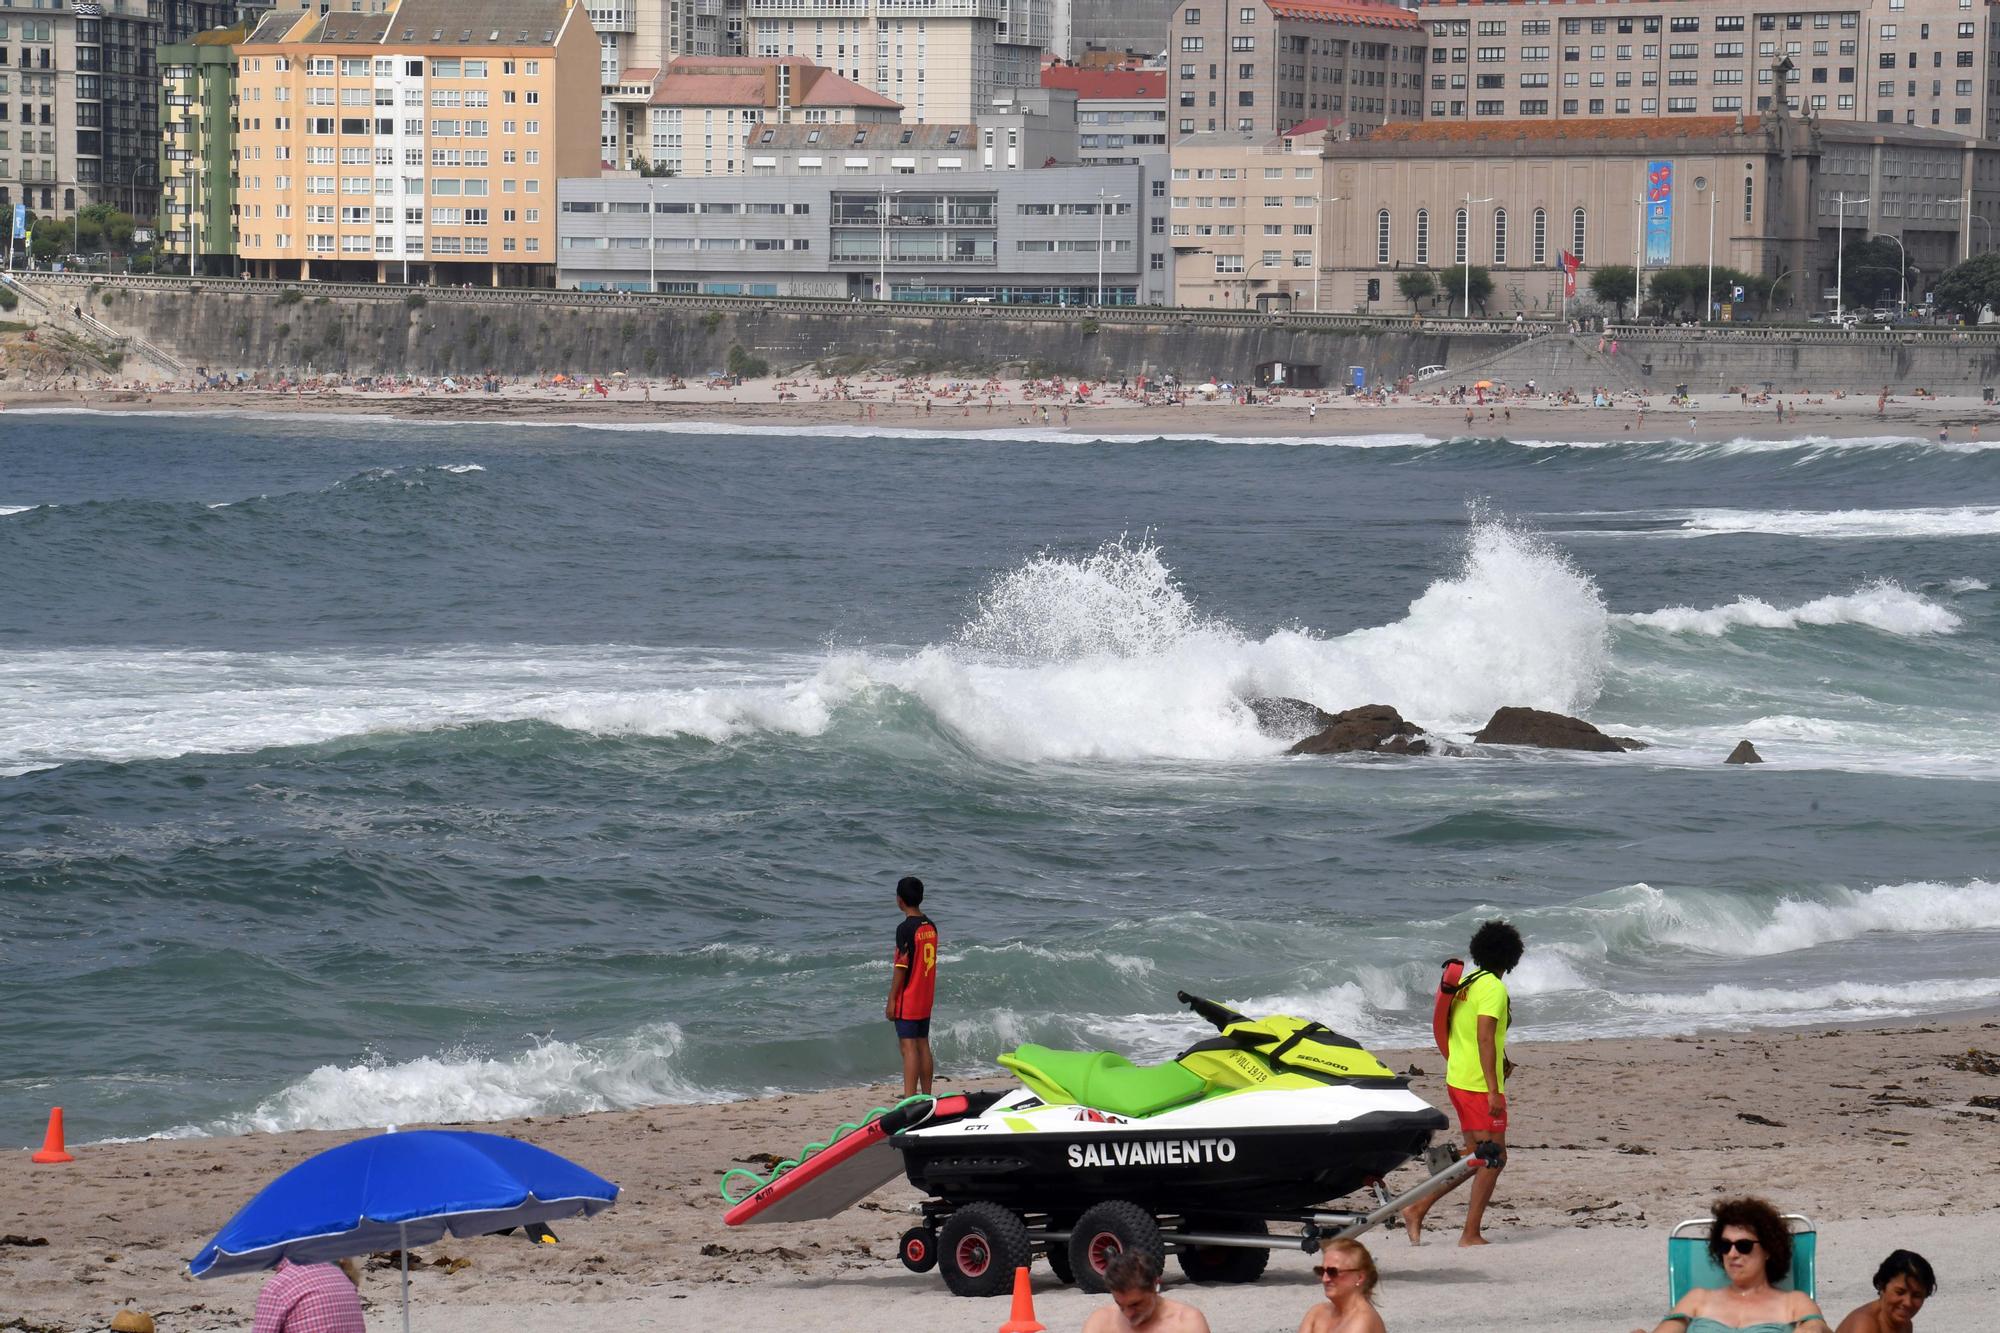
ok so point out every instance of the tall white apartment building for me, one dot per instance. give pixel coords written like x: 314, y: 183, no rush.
x: 942, y: 59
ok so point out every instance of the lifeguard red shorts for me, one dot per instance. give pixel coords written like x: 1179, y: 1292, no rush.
x: 1473, y: 1115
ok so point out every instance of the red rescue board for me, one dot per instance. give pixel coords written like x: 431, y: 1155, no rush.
x: 836, y: 1178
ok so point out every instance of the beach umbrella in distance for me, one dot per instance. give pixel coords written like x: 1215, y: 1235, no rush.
x: 1483, y: 384
x: 398, y: 1190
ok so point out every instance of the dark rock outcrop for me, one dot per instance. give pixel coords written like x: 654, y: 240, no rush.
x: 1744, y: 753
x: 1549, y: 731
x: 1288, y: 719
x: 1370, y: 729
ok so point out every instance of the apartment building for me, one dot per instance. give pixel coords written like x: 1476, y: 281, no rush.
x: 695, y: 117
x: 1136, y: 27
x: 422, y: 141
x: 1511, y: 196
x: 1009, y: 138
x: 1906, y: 62
x: 197, y: 218
x: 1245, y: 219
x: 1026, y: 237
x: 941, y: 60
x: 1260, y: 67
x: 40, y: 165
x: 1121, y: 120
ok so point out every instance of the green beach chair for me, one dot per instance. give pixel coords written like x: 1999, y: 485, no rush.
x: 1690, y: 1265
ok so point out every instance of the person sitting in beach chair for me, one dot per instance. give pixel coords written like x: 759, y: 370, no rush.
x: 1754, y: 1273
x: 1902, y: 1284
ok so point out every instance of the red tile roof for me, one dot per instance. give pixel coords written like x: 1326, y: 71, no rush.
x: 1346, y: 11
x: 1094, y: 84
x: 1622, y: 127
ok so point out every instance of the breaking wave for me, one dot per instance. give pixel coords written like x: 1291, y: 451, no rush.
x: 1881, y: 605
x: 1958, y: 521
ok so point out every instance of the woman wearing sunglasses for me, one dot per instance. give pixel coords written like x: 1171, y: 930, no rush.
x: 1754, y: 1247
x: 1346, y: 1273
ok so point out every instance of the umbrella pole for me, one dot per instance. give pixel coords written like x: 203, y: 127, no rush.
x: 403, y: 1247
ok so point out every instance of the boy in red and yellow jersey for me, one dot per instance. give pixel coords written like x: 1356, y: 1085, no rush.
x: 913, y: 985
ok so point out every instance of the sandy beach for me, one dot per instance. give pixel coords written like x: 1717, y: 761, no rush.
x: 885, y: 403
x: 1887, y: 1136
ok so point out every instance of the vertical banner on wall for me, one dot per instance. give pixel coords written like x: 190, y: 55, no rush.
x: 1659, y: 213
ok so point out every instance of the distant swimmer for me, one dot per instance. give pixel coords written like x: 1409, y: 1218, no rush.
x: 1475, y: 1015
x: 1133, y: 1277
x: 913, y: 985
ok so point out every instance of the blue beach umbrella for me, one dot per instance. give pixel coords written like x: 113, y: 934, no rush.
x: 398, y: 1190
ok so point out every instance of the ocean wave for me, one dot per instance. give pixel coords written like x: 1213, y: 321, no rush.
x: 463, y: 1085
x: 1777, y: 1005
x: 1725, y: 926
x: 1096, y: 657
x: 1955, y: 521
x: 1959, y: 587
x: 1882, y: 605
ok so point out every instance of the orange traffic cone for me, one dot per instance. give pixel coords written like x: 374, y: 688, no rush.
x: 52, y: 1142
x: 1022, y: 1318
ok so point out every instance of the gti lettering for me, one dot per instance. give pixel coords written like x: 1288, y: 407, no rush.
x: 1157, y: 1152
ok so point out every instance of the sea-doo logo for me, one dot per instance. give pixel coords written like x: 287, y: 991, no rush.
x: 1158, y: 1152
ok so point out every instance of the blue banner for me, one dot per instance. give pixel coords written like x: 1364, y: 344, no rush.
x: 20, y: 220
x: 1659, y: 213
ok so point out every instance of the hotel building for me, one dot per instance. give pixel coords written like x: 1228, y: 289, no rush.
x: 422, y: 141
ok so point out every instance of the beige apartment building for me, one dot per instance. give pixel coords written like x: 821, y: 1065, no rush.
x: 1261, y: 67
x: 696, y: 116
x: 1245, y: 219
x: 1511, y: 196
x: 421, y: 141
x: 1904, y: 62
x: 38, y: 114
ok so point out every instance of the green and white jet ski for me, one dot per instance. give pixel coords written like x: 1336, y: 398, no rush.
x: 1263, y: 1124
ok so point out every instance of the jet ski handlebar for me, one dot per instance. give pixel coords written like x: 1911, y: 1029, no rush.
x: 1220, y: 1015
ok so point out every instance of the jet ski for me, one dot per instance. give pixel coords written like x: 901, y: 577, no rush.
x: 1201, y: 1155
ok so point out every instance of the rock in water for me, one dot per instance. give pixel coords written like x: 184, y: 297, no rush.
x: 1550, y: 731
x: 1288, y: 719
x: 1744, y: 753
x: 1370, y: 729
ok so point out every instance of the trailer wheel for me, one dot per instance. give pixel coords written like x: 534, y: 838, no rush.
x: 1225, y: 1263
x: 1103, y: 1231
x: 918, y: 1249
x: 980, y: 1246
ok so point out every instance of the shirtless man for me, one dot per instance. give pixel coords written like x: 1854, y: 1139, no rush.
x: 1137, y: 1306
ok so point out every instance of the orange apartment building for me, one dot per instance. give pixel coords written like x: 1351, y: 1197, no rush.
x: 420, y: 143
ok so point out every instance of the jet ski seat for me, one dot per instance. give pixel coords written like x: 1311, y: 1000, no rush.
x: 1103, y: 1080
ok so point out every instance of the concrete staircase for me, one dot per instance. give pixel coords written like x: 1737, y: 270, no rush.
x: 59, y: 306
x: 1553, y: 361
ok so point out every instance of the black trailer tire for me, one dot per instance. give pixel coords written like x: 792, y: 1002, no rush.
x: 918, y: 1249
x: 1225, y: 1263
x: 980, y: 1246
x: 1104, y: 1230
x: 1058, y: 1256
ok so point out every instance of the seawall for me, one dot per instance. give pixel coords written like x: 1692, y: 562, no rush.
x: 309, y: 329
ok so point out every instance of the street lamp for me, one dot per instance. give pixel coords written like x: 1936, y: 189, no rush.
x: 1102, y: 198
x: 1638, y: 250
x: 1903, y: 276
x: 1839, y: 253
x: 652, y: 208
x: 1319, y: 225
x: 1965, y: 243
x: 1467, y: 259
x: 1702, y: 191
x: 882, y: 253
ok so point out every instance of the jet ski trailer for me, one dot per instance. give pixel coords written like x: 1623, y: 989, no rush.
x: 1239, y: 1146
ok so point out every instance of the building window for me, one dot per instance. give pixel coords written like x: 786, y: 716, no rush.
x: 1382, y: 236
x: 1541, y: 236
x: 1459, y: 240
x: 1423, y: 237
x: 1499, y: 237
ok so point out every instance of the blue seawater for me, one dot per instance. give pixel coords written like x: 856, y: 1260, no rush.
x: 357, y: 772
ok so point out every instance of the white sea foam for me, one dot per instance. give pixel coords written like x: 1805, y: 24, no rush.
x: 1954, y: 521
x: 1098, y: 657
x: 456, y: 1085
x: 1958, y: 587
x: 1881, y: 605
